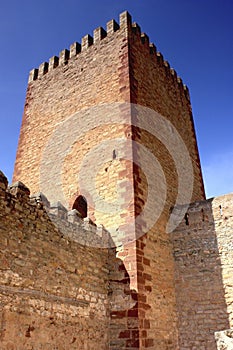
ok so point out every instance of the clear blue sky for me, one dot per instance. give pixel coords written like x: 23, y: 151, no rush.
x: 195, y: 36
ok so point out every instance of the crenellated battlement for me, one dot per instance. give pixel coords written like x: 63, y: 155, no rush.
x: 204, y: 212
x: 77, y: 48
x: 70, y: 223
x: 99, y: 34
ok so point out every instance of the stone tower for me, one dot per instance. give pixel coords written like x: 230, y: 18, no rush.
x: 112, y: 110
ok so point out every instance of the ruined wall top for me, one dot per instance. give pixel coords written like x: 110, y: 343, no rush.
x: 69, y: 223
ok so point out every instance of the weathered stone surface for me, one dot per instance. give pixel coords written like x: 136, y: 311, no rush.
x: 204, y: 272
x: 3, y: 181
x: 19, y: 189
x: 40, y: 200
x: 58, y: 287
x: 224, y: 339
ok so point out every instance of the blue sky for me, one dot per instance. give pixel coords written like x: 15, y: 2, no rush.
x: 195, y: 36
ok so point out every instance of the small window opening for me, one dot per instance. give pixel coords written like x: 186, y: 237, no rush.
x: 203, y: 214
x: 220, y: 208
x: 186, y: 217
x: 80, y: 204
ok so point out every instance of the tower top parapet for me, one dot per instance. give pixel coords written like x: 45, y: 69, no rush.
x: 99, y: 34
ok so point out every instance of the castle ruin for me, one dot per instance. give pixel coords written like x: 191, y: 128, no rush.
x: 115, y: 245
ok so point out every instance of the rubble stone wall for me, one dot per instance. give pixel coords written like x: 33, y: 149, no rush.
x: 203, y: 253
x: 53, y: 290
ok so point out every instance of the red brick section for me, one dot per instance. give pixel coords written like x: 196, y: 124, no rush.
x: 124, y: 323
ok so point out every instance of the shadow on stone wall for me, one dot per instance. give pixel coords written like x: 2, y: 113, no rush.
x: 199, y: 286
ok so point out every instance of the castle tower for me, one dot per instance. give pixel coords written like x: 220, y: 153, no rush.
x: 108, y: 125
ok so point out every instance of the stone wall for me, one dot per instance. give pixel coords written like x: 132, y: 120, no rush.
x: 59, y: 288
x: 53, y: 291
x: 204, y: 273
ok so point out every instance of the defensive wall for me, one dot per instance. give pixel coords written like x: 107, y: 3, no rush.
x: 59, y: 289
x: 63, y: 290
x: 203, y: 254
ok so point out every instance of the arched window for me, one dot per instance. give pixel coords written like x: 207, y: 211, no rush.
x: 80, y: 204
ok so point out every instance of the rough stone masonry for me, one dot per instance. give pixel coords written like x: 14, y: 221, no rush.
x: 66, y: 282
